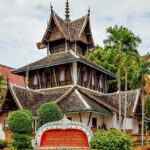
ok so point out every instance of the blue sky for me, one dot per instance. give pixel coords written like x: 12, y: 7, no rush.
x: 23, y: 22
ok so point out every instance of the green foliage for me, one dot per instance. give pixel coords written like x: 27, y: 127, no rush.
x: 3, y: 144
x: 20, y: 122
x: 112, y: 139
x: 147, y: 107
x: 107, y: 58
x: 139, y: 74
x: 2, y: 88
x: 2, y: 81
x: 28, y: 112
x: 121, y: 38
x: 48, y: 112
x: 119, y: 54
x: 103, y: 57
x: 21, y: 141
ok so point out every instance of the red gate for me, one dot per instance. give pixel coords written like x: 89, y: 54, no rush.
x: 64, y: 138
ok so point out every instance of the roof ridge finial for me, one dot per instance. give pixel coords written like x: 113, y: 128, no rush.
x: 89, y: 11
x: 51, y: 7
x: 67, y: 11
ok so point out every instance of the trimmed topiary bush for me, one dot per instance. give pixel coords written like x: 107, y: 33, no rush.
x: 48, y: 112
x: 20, y: 122
x: 3, y: 144
x: 28, y: 112
x: 21, y: 141
x: 112, y: 139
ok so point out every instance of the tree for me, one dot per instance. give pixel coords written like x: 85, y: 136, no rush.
x: 48, y: 112
x: 105, y: 59
x: 20, y: 122
x: 115, y: 44
x: 124, y: 44
x: 140, y: 77
x: 130, y: 44
x: 112, y: 139
x: 21, y: 141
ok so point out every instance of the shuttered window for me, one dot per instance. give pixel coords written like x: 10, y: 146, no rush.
x: 62, y: 75
x: 35, y: 80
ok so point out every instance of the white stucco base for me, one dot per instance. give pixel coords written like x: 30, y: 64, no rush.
x: 135, y: 126
x: 110, y: 121
x: 2, y: 134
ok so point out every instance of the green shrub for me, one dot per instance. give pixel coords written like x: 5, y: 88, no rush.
x: 21, y: 141
x: 28, y: 112
x: 48, y: 112
x: 3, y: 144
x: 112, y: 139
x: 20, y: 122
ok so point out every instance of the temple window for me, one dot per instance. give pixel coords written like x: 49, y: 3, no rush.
x: 85, y: 76
x: 35, y: 80
x: 62, y: 75
x: 101, y: 82
x: 43, y: 78
x: 94, y: 122
x: 93, y: 79
x: 47, y: 77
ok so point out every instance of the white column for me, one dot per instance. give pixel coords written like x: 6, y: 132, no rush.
x: 75, y: 73
x: 75, y: 47
x: 2, y: 133
x: 115, y: 120
x: 66, y: 46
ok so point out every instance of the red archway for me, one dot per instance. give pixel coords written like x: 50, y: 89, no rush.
x: 64, y: 138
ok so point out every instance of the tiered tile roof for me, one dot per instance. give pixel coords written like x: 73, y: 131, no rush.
x: 62, y: 58
x: 74, y: 99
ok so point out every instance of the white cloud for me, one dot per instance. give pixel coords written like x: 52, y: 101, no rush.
x: 22, y: 24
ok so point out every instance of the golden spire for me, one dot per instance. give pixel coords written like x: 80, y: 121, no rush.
x: 67, y: 11
x: 89, y: 10
x: 51, y: 7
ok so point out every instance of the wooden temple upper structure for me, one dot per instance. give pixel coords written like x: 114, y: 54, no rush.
x: 67, y: 43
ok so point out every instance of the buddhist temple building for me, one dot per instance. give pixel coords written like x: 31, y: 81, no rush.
x: 67, y: 77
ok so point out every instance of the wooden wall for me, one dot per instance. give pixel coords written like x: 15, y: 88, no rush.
x: 62, y: 75
x: 50, y: 77
x: 61, y: 45
x: 91, y: 78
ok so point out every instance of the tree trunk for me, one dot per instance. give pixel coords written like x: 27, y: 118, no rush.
x: 142, y: 99
x: 119, y: 90
x: 125, y: 101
